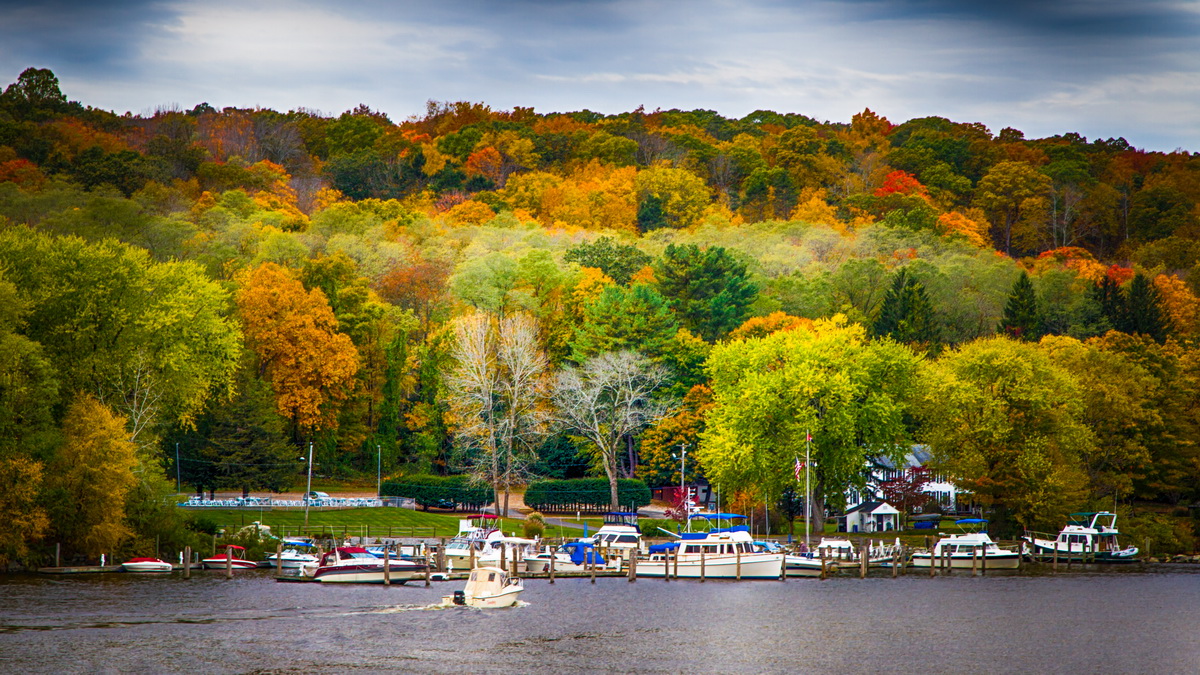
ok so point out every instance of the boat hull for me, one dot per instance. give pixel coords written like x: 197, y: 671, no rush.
x: 539, y: 565
x: 1007, y: 560
x: 802, y: 566
x: 753, y: 566
x: 367, y: 574
x: 157, y: 566
x: 219, y: 564
x: 1044, y: 552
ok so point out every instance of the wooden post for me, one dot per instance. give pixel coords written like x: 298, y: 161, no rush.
x: 503, y: 562
x: 1056, y: 556
x: 823, y: 572
x: 591, y: 565
x: 58, y: 554
x: 975, y: 561
x: 187, y: 562
x: 387, y: 566
x: 471, y: 562
x: 667, y: 565
x: 738, y: 552
x: 1069, y: 554
x: 983, y: 561
x: 214, y: 546
x: 427, y: 566
x: 516, y: 558
x: 702, y: 547
x: 864, y: 555
x: 553, y: 556
x: 676, y: 557
x: 441, y: 555
x: 228, y: 563
x: 895, y: 562
x: 632, y: 567
x: 932, y: 567
x: 279, y: 559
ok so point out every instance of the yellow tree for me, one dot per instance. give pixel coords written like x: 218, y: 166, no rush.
x: 309, y: 364
x: 24, y: 521
x: 90, y: 478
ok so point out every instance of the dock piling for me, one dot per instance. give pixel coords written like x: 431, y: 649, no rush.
x: 187, y: 562
x: 387, y: 566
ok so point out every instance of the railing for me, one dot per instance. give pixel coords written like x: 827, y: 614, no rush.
x: 266, y: 503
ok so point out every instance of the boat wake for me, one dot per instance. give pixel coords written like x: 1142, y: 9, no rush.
x: 435, y: 606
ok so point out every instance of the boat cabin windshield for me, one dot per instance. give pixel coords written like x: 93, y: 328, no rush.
x: 621, y: 518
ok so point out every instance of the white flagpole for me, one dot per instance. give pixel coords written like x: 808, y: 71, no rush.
x: 807, y: 490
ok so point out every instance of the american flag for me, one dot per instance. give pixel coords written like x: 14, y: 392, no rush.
x: 799, y: 468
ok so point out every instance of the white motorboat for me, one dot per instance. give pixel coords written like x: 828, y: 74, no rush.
x: 968, y: 550
x: 720, y: 553
x: 573, y: 556
x: 496, y: 548
x: 355, y: 565
x: 290, y: 558
x: 1088, y: 537
x: 234, y: 556
x: 487, y: 588
x: 146, y: 565
x: 848, y: 553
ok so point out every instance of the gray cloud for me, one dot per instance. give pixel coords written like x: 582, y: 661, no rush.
x: 1101, y: 68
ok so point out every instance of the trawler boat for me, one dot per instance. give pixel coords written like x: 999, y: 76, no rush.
x: 720, y: 553
x: 573, y: 556
x: 356, y: 565
x: 487, y: 588
x: 1088, y: 537
x: 619, y: 536
x: 967, y: 550
x: 234, y: 556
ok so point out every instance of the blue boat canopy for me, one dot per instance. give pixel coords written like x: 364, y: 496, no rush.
x: 663, y: 548
x: 970, y: 521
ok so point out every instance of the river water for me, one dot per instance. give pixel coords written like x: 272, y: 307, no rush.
x: 1113, y: 621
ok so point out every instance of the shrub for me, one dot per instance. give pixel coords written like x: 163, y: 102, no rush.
x: 429, y: 490
x: 534, y: 525
x: 585, y: 494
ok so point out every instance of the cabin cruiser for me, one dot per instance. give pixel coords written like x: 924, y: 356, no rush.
x: 146, y: 565
x: 496, y: 548
x: 967, y: 550
x: 487, y: 587
x: 290, y: 558
x: 573, y: 556
x: 1088, y: 537
x: 234, y: 556
x: 476, y: 533
x: 721, y: 553
x: 353, y: 564
x: 620, y: 536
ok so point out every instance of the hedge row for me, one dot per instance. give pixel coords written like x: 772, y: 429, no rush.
x: 429, y: 491
x: 585, y: 494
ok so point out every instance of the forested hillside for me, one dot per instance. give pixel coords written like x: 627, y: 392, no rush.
x: 467, y: 291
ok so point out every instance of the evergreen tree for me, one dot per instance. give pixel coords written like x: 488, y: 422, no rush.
x: 1111, y: 299
x: 635, y: 318
x: 1143, y: 310
x: 650, y: 213
x: 907, y: 314
x: 709, y: 289
x: 1022, y: 318
x: 618, y: 261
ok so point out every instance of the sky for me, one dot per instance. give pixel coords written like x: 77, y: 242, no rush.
x: 1100, y: 68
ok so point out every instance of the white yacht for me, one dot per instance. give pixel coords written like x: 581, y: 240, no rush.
x: 1090, y: 537
x: 476, y: 533
x: 573, y: 556
x: 356, y: 565
x: 966, y: 550
x: 720, y: 553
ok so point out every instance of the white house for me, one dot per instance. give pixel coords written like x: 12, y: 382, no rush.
x: 872, y: 517
x: 942, y: 492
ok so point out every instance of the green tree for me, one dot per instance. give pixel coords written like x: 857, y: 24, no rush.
x: 1006, y: 423
x: 1022, y: 317
x: 618, y: 261
x: 709, y: 289
x: 849, y: 392
x: 1143, y: 313
x: 907, y: 314
x: 635, y: 318
x: 1011, y: 193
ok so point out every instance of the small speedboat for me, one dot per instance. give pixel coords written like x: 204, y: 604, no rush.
x: 234, y: 556
x: 487, y: 587
x: 146, y: 565
x: 289, y: 559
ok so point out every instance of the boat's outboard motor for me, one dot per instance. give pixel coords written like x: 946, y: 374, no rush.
x: 460, y: 598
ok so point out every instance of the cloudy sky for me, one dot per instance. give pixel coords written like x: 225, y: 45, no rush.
x: 1101, y: 68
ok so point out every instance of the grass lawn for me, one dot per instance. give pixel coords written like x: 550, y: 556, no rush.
x: 352, y: 522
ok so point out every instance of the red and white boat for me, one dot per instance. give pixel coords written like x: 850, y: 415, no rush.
x: 146, y: 565
x: 355, y: 565
x: 233, y: 555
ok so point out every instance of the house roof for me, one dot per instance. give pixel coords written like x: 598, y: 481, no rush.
x: 874, y: 508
